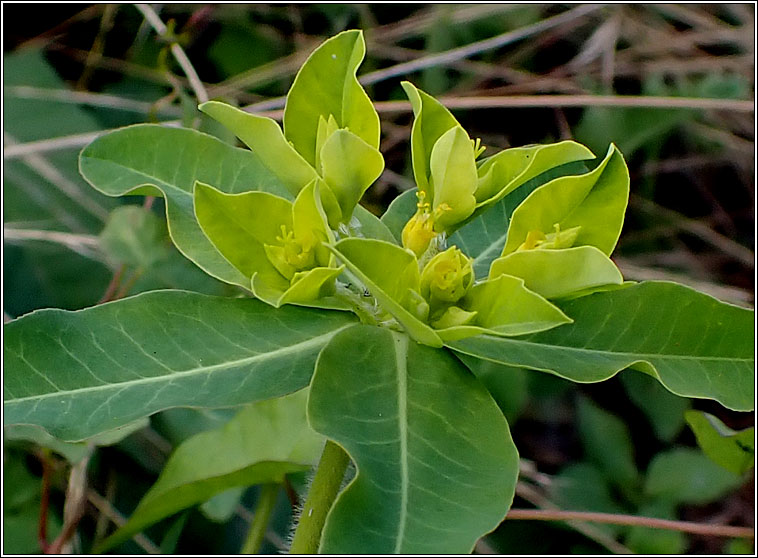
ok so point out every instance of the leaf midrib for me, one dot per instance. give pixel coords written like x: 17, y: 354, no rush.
x: 401, y: 353
x: 314, y: 341
x: 152, y: 180
x: 636, y: 356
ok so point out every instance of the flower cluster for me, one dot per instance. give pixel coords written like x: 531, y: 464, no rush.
x: 555, y: 243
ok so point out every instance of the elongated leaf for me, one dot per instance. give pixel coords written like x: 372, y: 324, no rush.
x: 735, y: 451
x: 608, y: 444
x: 694, y: 344
x: 265, y: 441
x: 155, y: 160
x: 80, y: 373
x: 327, y: 85
x: 436, y: 466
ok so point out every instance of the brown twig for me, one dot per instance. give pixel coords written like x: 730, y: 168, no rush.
x: 622, y: 519
x: 75, y: 506
x: 181, y: 57
x: 44, y: 500
x: 105, y: 507
x: 115, y: 281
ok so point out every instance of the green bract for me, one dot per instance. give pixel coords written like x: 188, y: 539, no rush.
x: 452, y: 186
x: 442, y: 303
x: 280, y: 245
x: 331, y: 129
x: 493, y: 267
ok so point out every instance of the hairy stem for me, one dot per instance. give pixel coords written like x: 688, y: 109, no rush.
x: 326, y: 483
x: 257, y: 532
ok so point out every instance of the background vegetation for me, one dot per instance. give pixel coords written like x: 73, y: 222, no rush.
x: 685, y: 124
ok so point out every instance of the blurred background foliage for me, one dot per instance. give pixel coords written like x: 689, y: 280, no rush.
x: 72, y: 71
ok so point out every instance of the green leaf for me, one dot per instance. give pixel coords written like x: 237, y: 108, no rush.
x: 733, y: 450
x: 695, y: 345
x: 261, y: 444
x: 266, y: 139
x: 77, y: 374
x: 154, y: 160
x: 436, y: 466
x: 595, y: 201
x: 505, y: 171
x: 686, y: 476
x: 663, y: 409
x: 506, y: 384
x: 390, y: 273
x: 431, y: 121
x: 327, y: 85
x: 557, y: 273
x: 608, y: 444
x: 73, y: 452
x: 134, y: 237
x: 349, y: 166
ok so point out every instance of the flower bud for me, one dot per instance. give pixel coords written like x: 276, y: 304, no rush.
x: 447, y: 277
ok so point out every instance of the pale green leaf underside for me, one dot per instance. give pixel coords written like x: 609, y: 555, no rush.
x: 262, y: 443
x: 436, y: 466
x: 77, y: 374
x: 72, y: 451
x: 694, y: 344
x: 149, y: 159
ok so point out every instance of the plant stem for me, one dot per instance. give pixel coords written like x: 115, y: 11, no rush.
x: 323, y: 491
x: 44, y: 500
x: 266, y: 502
x: 622, y: 519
